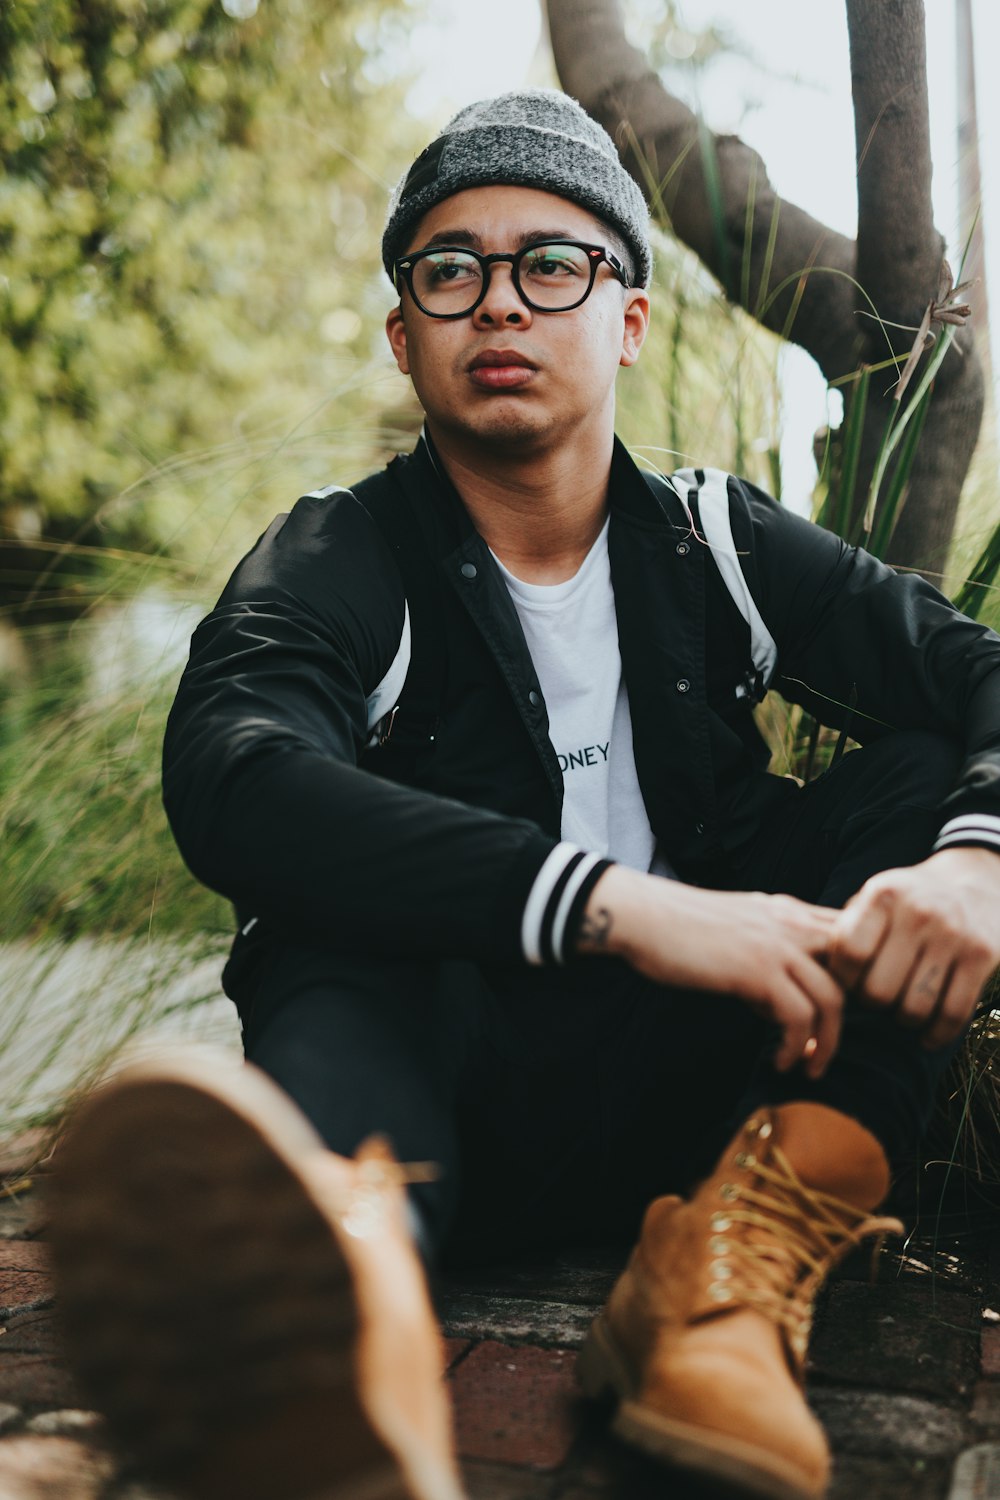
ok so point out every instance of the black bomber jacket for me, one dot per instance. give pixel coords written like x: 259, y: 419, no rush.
x: 294, y: 789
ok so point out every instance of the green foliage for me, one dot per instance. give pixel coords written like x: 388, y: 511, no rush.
x: 189, y: 224
x: 86, y: 843
x: 706, y: 388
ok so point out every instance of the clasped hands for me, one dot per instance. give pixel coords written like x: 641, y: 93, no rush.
x: 921, y: 941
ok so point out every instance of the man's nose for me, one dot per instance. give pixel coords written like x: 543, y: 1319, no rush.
x: 502, y: 303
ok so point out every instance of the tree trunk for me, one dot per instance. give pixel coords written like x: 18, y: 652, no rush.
x: 970, y: 193
x: 715, y: 194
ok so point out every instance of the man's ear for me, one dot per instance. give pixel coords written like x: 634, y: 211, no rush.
x: 395, y: 332
x: 636, y: 324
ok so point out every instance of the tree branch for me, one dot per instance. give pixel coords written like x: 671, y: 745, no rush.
x: 715, y: 194
x: 703, y: 184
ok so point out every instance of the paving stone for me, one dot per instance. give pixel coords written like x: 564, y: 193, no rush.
x: 454, y: 1349
x: 991, y: 1348
x: 576, y: 1276
x: 20, y: 1216
x: 897, y: 1338
x: 498, y: 1482
x: 51, y: 1468
x: 977, y: 1473
x: 69, y: 1422
x: 32, y: 1331
x: 986, y: 1408
x: 512, y: 1320
x: 32, y: 1380
x: 515, y: 1405
x: 873, y: 1424
x: 957, y: 1263
x: 878, y: 1479
x: 25, y: 1279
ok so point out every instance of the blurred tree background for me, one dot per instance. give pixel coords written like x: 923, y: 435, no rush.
x: 191, y: 197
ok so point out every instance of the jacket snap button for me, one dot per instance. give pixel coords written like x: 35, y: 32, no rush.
x: 683, y: 549
x: 534, y: 699
x: 699, y: 828
x: 469, y: 570
x: 683, y: 685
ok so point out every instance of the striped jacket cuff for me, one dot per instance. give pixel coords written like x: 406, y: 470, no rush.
x: 971, y: 829
x: 556, y: 901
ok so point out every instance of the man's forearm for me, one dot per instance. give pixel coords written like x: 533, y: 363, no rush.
x: 332, y: 854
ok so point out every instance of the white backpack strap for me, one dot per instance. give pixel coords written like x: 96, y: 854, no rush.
x: 717, y: 528
x: 381, y: 703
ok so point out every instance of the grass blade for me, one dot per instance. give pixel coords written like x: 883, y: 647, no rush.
x: 850, y: 455
x: 892, y: 505
x: 973, y: 593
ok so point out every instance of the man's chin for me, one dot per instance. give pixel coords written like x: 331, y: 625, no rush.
x: 507, y: 430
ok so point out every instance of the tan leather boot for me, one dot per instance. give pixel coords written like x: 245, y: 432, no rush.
x: 704, y: 1337
x: 246, y: 1308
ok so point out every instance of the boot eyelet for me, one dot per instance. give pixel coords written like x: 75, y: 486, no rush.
x: 718, y: 1246
x: 765, y: 1130
x: 720, y: 1222
x: 729, y: 1191
x: 745, y: 1159
x: 721, y: 1271
x: 720, y: 1293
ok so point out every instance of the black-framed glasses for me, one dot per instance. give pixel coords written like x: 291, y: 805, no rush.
x: 449, y: 281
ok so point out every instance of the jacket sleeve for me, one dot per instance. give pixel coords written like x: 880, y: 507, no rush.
x: 261, y: 779
x: 862, y: 645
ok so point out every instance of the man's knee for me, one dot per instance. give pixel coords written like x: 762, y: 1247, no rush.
x: 880, y: 807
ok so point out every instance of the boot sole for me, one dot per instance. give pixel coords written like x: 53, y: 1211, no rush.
x: 744, y: 1469
x: 205, y: 1299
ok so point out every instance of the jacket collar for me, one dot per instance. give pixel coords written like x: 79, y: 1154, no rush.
x: 630, y: 496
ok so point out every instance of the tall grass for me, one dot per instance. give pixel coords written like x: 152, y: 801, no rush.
x: 107, y: 939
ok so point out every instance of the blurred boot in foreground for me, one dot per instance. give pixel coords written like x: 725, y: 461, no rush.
x: 246, y: 1308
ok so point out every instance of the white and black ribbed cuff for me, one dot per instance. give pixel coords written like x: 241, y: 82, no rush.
x: 973, y: 829
x: 556, y: 901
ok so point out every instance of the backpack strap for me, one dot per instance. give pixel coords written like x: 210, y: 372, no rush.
x: 405, y: 708
x: 711, y: 493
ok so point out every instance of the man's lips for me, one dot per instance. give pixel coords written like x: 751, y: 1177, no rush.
x: 501, y: 369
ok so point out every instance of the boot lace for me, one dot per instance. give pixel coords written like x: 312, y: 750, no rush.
x: 801, y: 1234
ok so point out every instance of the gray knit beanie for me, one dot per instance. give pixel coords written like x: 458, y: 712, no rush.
x: 537, y: 138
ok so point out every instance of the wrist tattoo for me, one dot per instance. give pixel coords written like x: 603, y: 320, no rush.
x: 595, y: 930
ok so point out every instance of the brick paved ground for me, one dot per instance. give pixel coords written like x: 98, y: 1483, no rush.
x: 905, y: 1374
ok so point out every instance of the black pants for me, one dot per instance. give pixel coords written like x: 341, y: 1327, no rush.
x: 558, y: 1103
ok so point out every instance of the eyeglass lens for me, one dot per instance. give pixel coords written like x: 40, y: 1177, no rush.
x: 555, y: 277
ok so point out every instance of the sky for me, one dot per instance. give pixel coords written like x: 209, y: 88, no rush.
x: 797, y: 69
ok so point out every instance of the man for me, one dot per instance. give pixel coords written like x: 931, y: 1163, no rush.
x: 471, y: 748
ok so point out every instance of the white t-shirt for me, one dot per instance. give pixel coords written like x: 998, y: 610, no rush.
x: 572, y: 635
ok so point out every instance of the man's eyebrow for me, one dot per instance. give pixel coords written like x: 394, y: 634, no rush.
x: 475, y: 242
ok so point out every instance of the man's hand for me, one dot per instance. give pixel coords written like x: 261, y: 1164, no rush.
x: 923, y: 940
x: 764, y: 950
